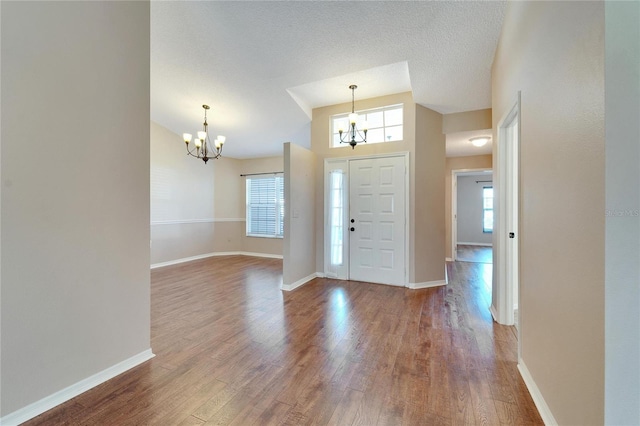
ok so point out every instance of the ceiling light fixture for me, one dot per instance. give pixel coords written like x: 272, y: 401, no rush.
x: 203, y: 148
x: 350, y: 136
x: 480, y: 141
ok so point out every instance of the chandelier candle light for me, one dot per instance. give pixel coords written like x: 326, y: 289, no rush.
x: 203, y: 148
x: 350, y: 136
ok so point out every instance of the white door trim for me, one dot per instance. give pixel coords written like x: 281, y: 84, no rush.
x: 502, y: 304
x: 407, y: 201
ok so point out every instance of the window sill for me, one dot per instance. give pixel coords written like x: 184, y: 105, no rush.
x: 274, y: 237
x: 346, y: 144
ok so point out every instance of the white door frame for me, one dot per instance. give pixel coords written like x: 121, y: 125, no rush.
x: 454, y: 204
x: 327, y: 235
x: 502, y: 306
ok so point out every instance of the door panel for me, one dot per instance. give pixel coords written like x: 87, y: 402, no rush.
x: 377, y: 207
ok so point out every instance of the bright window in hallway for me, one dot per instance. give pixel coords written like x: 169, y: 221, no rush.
x: 265, y: 206
x: 336, y: 212
x: 487, y: 209
x: 385, y: 124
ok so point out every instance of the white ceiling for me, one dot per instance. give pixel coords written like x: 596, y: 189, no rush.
x: 262, y: 66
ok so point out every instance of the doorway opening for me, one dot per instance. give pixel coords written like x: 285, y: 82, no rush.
x: 472, y: 215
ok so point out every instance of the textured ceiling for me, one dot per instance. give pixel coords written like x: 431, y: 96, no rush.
x: 262, y: 66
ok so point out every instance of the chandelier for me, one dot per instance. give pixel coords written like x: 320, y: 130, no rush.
x: 202, y: 147
x: 354, y: 135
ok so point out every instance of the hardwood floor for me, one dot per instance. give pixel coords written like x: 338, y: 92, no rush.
x: 231, y: 348
x: 479, y: 254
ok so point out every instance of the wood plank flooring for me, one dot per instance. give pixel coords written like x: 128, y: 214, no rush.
x: 232, y: 349
x: 469, y: 253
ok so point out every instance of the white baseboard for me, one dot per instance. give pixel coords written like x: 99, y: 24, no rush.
x: 217, y: 253
x: 475, y: 244
x: 494, y: 314
x: 427, y: 284
x: 541, y: 405
x: 448, y: 259
x: 189, y: 259
x: 289, y: 287
x: 268, y: 255
x: 64, y: 395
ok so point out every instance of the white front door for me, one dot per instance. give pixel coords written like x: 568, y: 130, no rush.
x: 377, y: 220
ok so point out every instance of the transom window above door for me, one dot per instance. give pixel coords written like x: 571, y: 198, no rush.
x: 384, y: 124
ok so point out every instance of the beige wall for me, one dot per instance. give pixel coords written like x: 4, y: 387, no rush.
x: 466, y: 121
x: 228, y: 205
x: 75, y: 212
x: 429, y: 235
x: 458, y: 163
x: 229, y: 190
x: 299, y: 242
x: 431, y: 147
x: 182, y: 206
x: 554, y: 53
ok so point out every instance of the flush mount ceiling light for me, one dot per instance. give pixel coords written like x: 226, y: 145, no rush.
x: 202, y: 147
x: 354, y: 135
x: 480, y: 141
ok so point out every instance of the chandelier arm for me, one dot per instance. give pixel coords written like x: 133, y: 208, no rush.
x: 362, y: 135
x: 190, y: 152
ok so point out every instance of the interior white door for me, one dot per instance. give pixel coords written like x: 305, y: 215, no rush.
x: 505, y: 277
x: 377, y: 220
x: 511, y: 242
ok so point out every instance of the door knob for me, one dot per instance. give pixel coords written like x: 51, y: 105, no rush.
x: 353, y: 229
x: 353, y: 220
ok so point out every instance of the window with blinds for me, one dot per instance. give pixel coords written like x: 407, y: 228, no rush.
x: 265, y: 206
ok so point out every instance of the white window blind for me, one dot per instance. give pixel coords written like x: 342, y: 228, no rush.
x: 265, y: 206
